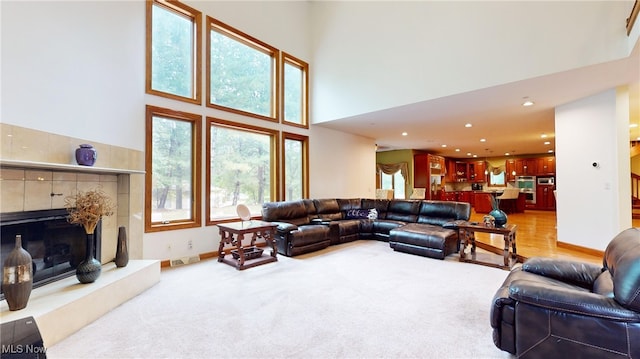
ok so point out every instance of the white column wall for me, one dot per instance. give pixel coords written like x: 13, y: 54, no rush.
x: 591, y: 199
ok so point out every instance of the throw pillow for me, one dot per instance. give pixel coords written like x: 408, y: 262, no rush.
x: 357, y: 214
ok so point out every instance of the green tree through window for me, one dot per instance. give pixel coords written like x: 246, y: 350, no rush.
x: 173, y: 51
x: 240, y: 169
x: 172, y: 172
x: 241, y: 72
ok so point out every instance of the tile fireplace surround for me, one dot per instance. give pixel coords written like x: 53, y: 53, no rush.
x: 38, y: 170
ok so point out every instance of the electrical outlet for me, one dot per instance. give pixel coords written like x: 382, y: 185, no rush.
x: 190, y: 244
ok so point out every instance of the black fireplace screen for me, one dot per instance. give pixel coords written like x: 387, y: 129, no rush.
x: 56, y: 246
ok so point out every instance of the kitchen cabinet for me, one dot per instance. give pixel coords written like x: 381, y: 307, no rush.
x: 465, y: 171
x: 477, y: 170
x: 545, y: 199
x: 428, y: 171
x: 546, y: 166
x: 530, y: 167
x: 510, y: 169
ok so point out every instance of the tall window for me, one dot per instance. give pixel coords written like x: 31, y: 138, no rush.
x: 296, y: 171
x: 173, y: 50
x: 241, y: 168
x: 172, y: 180
x: 241, y: 72
x: 295, y: 93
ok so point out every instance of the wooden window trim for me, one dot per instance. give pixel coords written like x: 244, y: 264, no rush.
x: 196, y: 18
x: 237, y: 35
x: 196, y: 214
x: 304, y: 67
x: 274, y: 165
x: 305, y: 163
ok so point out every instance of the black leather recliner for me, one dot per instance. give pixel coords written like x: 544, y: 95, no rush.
x: 552, y: 308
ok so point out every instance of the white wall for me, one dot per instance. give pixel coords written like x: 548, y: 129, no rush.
x: 373, y: 55
x: 592, y: 200
x: 344, y: 165
x: 75, y: 68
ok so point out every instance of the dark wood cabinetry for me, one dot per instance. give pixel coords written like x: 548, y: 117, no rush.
x: 545, y: 199
x: 530, y: 167
x: 428, y: 171
x: 478, y: 169
x: 466, y: 171
x: 510, y: 169
x: 547, y: 166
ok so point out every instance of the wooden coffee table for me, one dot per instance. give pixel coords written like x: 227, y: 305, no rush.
x: 467, y: 237
x: 233, y: 233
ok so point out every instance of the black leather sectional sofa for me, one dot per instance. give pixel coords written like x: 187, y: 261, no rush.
x: 422, y: 227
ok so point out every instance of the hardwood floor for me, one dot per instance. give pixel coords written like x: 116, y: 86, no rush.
x: 536, y: 236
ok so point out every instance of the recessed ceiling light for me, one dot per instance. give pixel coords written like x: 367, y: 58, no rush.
x: 475, y: 155
x: 550, y: 151
x: 544, y: 135
x: 483, y: 140
x: 468, y: 125
x: 506, y: 153
x: 457, y: 150
x: 468, y: 153
x: 547, y: 142
x: 443, y: 146
x: 404, y: 133
x: 527, y: 102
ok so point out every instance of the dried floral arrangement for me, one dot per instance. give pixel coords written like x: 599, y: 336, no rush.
x: 86, y: 208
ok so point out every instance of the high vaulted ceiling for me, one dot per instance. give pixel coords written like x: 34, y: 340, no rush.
x: 496, y: 114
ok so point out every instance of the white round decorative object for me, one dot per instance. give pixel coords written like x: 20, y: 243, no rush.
x: 243, y: 212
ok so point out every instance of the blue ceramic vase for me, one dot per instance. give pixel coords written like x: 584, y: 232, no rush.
x: 500, y: 217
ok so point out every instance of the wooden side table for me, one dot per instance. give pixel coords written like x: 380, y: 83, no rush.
x: 467, y: 237
x: 233, y: 233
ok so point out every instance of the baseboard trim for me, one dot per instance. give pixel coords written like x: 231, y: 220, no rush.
x: 585, y: 250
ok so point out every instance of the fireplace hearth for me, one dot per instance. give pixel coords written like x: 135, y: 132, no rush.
x: 56, y: 246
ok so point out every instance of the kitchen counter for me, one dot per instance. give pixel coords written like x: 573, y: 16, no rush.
x: 482, y: 202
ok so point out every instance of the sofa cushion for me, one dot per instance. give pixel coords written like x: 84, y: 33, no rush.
x: 293, y: 212
x: 422, y: 235
x: 328, y: 209
x: 380, y: 205
x: 405, y: 211
x: 309, y: 234
x: 440, y: 213
x: 349, y: 203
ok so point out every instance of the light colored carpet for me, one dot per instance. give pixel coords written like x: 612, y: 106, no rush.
x: 356, y: 300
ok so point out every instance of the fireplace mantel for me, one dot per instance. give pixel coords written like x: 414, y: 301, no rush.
x: 66, y: 167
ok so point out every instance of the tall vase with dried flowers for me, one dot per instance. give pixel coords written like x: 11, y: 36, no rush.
x: 86, y: 209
